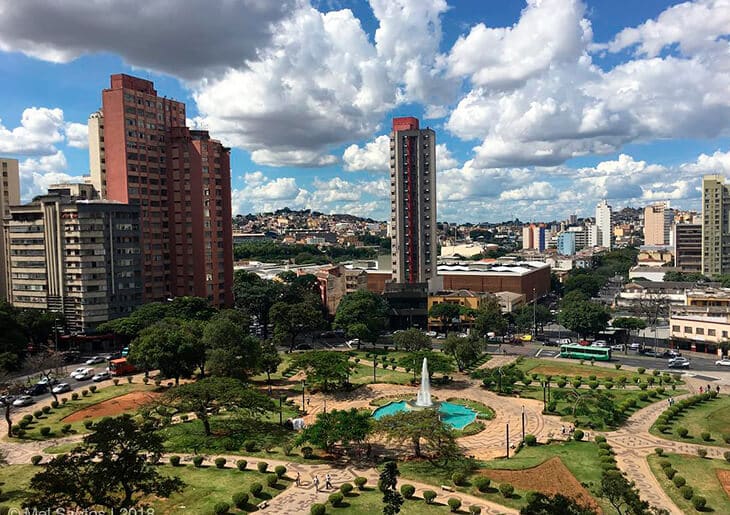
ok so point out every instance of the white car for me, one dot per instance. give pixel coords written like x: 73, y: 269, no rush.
x: 62, y: 388
x: 724, y: 362
x: 432, y: 334
x: 95, y: 360
x: 102, y: 376
x: 599, y: 343
x: 79, y: 371
x: 678, y: 363
x: 23, y: 400
x: 83, y: 375
x: 634, y: 346
x: 441, y: 336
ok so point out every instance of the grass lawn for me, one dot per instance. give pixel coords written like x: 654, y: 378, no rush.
x: 54, y: 418
x: 710, y: 416
x: 701, y: 475
x: 276, y: 376
x: 370, y: 501
x: 557, y: 368
x: 363, y: 374
x: 14, y: 480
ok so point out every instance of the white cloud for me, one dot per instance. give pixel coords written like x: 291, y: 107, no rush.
x: 301, y: 158
x: 77, y: 135
x: 39, y: 130
x: 535, y: 191
x: 282, y: 188
x: 37, y: 174
x: 373, y: 156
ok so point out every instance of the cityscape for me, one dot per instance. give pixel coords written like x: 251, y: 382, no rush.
x: 214, y: 300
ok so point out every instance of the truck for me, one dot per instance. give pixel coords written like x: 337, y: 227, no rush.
x: 120, y: 367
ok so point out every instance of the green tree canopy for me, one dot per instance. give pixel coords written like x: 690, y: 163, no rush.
x: 465, y: 351
x: 230, y: 350
x: 114, y: 468
x: 587, y: 283
x: 269, y: 361
x: 362, y: 314
x: 541, y: 504
x: 291, y: 320
x: 256, y: 296
x: 437, y: 362
x: 14, y: 342
x: 489, y: 319
x: 412, y: 340
x: 584, y: 318
x: 629, y: 323
x: 526, y: 315
x: 324, y: 367
x: 346, y: 427
x: 446, y: 312
x: 422, y: 429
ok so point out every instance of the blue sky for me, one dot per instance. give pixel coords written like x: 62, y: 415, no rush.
x: 541, y: 107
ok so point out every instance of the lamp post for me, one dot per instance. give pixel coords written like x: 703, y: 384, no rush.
x: 544, y: 399
x: 523, y: 423
x: 303, y: 406
x: 534, y: 314
x: 375, y: 365
x: 55, y: 331
x: 507, y: 440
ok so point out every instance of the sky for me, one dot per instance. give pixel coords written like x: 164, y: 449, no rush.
x: 541, y: 107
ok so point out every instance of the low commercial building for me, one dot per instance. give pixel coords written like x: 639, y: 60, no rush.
x: 336, y: 282
x: 637, y: 295
x: 698, y: 332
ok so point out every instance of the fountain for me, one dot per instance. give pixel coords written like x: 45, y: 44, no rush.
x: 423, y: 399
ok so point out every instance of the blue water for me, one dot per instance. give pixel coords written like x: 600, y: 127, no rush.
x: 455, y: 415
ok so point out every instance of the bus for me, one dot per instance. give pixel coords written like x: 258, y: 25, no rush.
x: 581, y: 352
x: 120, y: 367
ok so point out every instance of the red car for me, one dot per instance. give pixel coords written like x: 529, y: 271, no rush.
x: 584, y: 343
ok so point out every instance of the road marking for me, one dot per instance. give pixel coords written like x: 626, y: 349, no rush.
x: 537, y: 354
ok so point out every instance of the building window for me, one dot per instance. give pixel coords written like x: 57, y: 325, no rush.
x: 711, y: 332
x: 687, y: 329
x: 675, y: 328
x: 700, y: 330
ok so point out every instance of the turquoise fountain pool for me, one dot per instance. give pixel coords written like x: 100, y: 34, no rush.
x: 455, y: 415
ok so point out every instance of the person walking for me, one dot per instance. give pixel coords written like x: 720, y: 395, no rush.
x: 316, y: 483
x: 700, y: 389
x: 328, y: 482
x: 717, y: 389
x: 298, y: 480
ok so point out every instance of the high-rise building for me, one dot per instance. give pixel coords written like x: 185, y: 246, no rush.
x: 566, y: 243
x: 71, y: 253
x: 715, y: 226
x: 603, y: 224
x: 527, y: 241
x: 413, y: 202
x: 534, y: 237
x: 657, y: 224
x: 142, y: 153
x: 688, y: 247
x: 9, y: 196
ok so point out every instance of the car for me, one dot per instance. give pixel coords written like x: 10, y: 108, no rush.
x: 671, y: 353
x: 678, y: 363
x: 653, y: 353
x: 95, y: 360
x: 83, y: 374
x: 432, y: 334
x: 37, y: 389
x: 49, y: 381
x: 61, y: 388
x: 303, y: 346
x: 102, y: 376
x: 724, y: 362
x: 441, y: 336
x: 600, y: 344
x: 23, y: 400
x: 78, y: 371
x: 635, y: 346
x: 617, y: 346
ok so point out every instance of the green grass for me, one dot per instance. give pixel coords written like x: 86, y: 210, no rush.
x: 700, y: 474
x: 382, y: 401
x: 710, y: 416
x: 363, y: 374
x: 279, y: 374
x: 14, y: 480
x: 558, y: 368
x: 55, y: 417
x: 370, y: 501
x: 61, y: 448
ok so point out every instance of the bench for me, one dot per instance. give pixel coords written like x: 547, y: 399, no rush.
x: 447, y: 488
x: 262, y: 505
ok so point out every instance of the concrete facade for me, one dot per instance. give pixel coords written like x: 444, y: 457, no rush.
x: 603, y: 225
x: 657, y: 224
x: 688, y: 247
x: 715, y: 226
x: 9, y: 196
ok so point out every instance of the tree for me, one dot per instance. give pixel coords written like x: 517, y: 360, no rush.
x: 584, y: 317
x: 362, y: 314
x: 231, y: 351
x: 489, y: 319
x: 38, y: 325
x: 388, y: 482
x: 437, y: 362
x: 622, y: 495
x: 291, y: 320
x: 446, y: 312
x: 9, y: 388
x: 423, y: 430
x: 172, y: 345
x: 49, y: 365
x: 14, y: 342
x: 324, y: 367
x: 412, y: 340
x: 588, y: 283
x: 191, y: 308
x: 629, y: 323
x: 541, y: 504
x: 347, y: 427
x: 256, y: 296
x: 694, y: 277
x: 464, y: 350
x: 209, y: 396
x: 527, y: 316
x: 113, y: 468
x: 269, y: 361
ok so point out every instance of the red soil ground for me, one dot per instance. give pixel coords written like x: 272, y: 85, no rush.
x: 112, y: 407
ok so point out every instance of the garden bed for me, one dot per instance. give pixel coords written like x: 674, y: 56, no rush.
x: 112, y: 407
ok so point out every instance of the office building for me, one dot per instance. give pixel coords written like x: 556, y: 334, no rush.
x: 527, y: 241
x: 603, y: 225
x: 9, y: 196
x: 715, y: 226
x: 413, y: 202
x: 142, y: 153
x: 71, y: 253
x: 566, y: 243
x: 688, y: 247
x: 657, y: 224
x: 534, y: 238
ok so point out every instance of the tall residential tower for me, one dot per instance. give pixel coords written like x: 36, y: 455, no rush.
x: 657, y: 224
x: 413, y: 202
x: 715, y: 226
x: 9, y: 196
x: 603, y: 225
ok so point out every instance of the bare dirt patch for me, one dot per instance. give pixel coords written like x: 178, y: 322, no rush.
x: 724, y: 477
x: 114, y: 406
x: 549, y: 478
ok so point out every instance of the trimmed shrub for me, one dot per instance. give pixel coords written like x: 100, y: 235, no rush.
x: 578, y: 435
x: 249, y: 445
x: 593, y: 385
x: 74, y: 396
x: 221, y: 508
x: 129, y: 379
x: 726, y: 455
x: 643, y: 386
x: 665, y: 464
x: 670, y: 472
x: 271, y: 480
x: 458, y: 478
x: 576, y: 383
x: 45, y: 431
x: 552, y: 406
x: 280, y: 470
x: 506, y: 490
x: 643, y: 396
x: 683, y: 432
x: 88, y: 424
x: 198, y: 461
x: 360, y: 482
x: 116, y: 381
x: 608, y: 385
x: 530, y: 440
x: 36, y: 460
x: 66, y: 429
x: 38, y: 413
x: 699, y: 502
x: 175, y: 461
x: 241, y: 464
x: 705, y: 436
x: 454, y: 503
x: 256, y: 489
x: 261, y: 466
x: 407, y: 491
x: 19, y: 432
x: 617, y: 366
x: 659, y: 451
x: 687, y: 492
x: 482, y: 483
x: 92, y: 388
x: 47, y: 409
x: 85, y: 392
x: 429, y: 496
x: 641, y: 370
x: 702, y: 453
x: 307, y: 452
x: 604, y: 446
x: 561, y: 383
x: 220, y: 463
x: 335, y: 498
x: 346, y: 488
x: 679, y: 481
x: 599, y: 439
x: 475, y: 510
x: 240, y: 500
x: 317, y: 509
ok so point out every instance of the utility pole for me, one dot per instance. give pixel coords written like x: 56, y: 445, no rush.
x: 534, y: 314
x: 523, y: 423
x: 507, y: 440
x: 303, y: 405
x: 375, y: 365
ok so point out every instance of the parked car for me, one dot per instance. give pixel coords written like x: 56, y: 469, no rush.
x: 23, y: 400
x: 37, y: 389
x: 671, y: 353
x: 62, y: 388
x: 635, y: 346
x: 432, y: 334
x: 678, y: 363
x: 617, y: 346
x: 95, y: 360
x: 600, y: 344
x: 724, y: 362
x: 650, y: 352
x: 441, y: 336
x: 102, y: 376
x: 78, y: 371
x: 49, y: 381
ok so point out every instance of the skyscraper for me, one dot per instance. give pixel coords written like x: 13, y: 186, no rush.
x: 688, y: 247
x: 715, y: 229
x: 413, y: 202
x: 9, y: 196
x: 142, y: 153
x: 657, y: 224
x: 603, y: 224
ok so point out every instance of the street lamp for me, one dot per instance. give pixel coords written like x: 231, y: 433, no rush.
x: 534, y: 314
x: 303, y: 408
x: 544, y: 396
x: 375, y: 365
x: 523, y: 423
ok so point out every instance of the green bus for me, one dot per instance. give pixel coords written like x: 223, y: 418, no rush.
x: 585, y: 352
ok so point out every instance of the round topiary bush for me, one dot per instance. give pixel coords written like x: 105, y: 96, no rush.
x: 46, y: 409
x: 593, y: 385
x: 335, y: 498
x: 683, y: 432
x: 175, y: 461
x: 256, y: 489
x: 429, y: 496
x: 664, y: 464
x: 643, y: 396
x: 45, y: 431
x: 530, y: 440
x: 687, y: 492
x: 599, y: 439
x: 272, y: 480
x: 670, y: 472
x: 454, y: 504
x: 561, y: 383
x: 220, y: 463
x: 407, y: 491
x: 262, y: 466
x: 307, y: 452
x: 220, y: 508
x: 280, y: 470
x: 346, y: 488
x: 38, y: 413
x: 705, y: 436
x: 576, y: 383
x: 578, y: 435
x: 92, y: 388
x: 241, y: 464
x: 659, y: 451
x: 88, y: 424
x: 641, y: 370
x: 506, y: 490
x: 66, y: 428
x: 240, y: 500
x: 702, y: 453
x: 198, y: 461
x: 679, y: 481
x: 726, y: 455
x: 699, y: 502
x: 458, y: 478
x: 482, y: 483
x: 74, y: 396
x: 85, y: 392
x: 475, y: 510
x: 605, y: 446
x: 36, y: 460
x: 360, y: 482
x: 317, y: 509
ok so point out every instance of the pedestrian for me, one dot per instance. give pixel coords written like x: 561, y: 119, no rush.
x: 316, y: 483
x: 700, y: 389
x: 562, y: 430
x: 669, y: 401
x: 309, y: 400
x: 298, y: 480
x: 717, y: 389
x: 327, y: 482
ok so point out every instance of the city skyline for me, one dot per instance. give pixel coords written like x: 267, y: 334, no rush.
x: 629, y: 105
